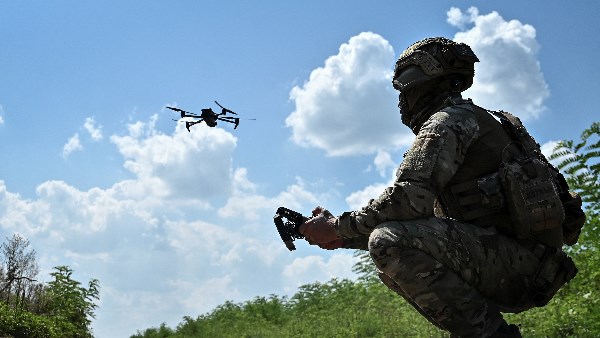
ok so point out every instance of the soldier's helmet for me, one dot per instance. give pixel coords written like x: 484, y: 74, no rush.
x: 432, y: 58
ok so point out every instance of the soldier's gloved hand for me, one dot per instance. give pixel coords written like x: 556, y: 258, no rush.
x: 320, y: 230
x: 336, y: 244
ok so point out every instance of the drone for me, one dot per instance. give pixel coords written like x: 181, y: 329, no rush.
x: 209, y: 117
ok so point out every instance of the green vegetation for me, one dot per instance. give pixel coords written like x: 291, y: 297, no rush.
x: 61, y: 308
x: 366, y: 308
x: 338, y: 308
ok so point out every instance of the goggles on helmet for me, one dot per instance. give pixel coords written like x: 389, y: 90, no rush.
x: 426, y: 64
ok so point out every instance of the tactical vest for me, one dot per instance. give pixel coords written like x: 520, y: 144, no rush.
x: 505, y: 181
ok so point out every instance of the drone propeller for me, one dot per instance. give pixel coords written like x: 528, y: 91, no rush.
x: 183, y: 112
x: 225, y: 110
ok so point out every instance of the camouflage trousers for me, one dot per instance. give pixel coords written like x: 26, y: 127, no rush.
x: 457, y: 275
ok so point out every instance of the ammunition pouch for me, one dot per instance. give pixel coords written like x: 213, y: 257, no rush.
x: 531, y: 197
x: 473, y: 199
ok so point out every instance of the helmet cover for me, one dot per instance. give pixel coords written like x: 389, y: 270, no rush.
x: 431, y: 58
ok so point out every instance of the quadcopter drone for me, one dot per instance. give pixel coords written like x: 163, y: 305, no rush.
x: 209, y: 117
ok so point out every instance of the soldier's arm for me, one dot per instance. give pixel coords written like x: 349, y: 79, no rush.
x: 435, y: 155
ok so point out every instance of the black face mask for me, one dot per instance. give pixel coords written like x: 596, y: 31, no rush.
x: 404, y: 109
x: 417, y: 104
x: 408, y: 102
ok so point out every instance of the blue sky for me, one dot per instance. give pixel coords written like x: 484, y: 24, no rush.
x: 97, y: 175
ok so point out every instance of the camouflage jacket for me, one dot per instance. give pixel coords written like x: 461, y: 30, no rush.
x: 460, y: 142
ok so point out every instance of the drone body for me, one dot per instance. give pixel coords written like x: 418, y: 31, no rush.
x: 208, y: 116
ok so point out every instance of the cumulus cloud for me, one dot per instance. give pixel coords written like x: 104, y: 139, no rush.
x: 188, y: 165
x: 309, y: 269
x: 245, y: 202
x: 93, y: 129
x: 456, y: 17
x: 383, y: 161
x: 360, y: 198
x: 348, y: 106
x: 509, y: 75
x: 207, y: 295
x: 16, y: 213
x: 548, y: 147
x: 1, y: 114
x: 73, y: 144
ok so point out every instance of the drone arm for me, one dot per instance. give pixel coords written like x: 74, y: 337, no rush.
x: 183, y: 112
x: 188, y: 124
x: 225, y: 110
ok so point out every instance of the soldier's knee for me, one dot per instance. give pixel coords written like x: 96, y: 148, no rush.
x: 385, y: 238
x: 386, y: 234
x: 378, y: 236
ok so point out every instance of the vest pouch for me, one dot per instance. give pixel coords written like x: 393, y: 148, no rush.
x: 531, y: 197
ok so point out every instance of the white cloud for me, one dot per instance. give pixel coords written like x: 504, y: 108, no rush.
x: 548, y: 147
x: 94, y: 130
x: 217, y: 241
x: 246, y: 203
x: 187, y: 165
x: 383, y: 161
x: 20, y: 215
x: 157, y: 308
x: 509, y: 75
x: 359, y: 199
x: 310, y: 269
x: 73, y: 144
x: 1, y: 114
x: 348, y: 106
x: 206, y: 296
x: 455, y: 17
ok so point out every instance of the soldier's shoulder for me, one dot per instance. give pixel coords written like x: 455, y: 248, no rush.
x: 455, y: 113
x: 460, y: 116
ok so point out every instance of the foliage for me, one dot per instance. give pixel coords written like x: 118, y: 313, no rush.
x: 14, y: 323
x: 17, y: 272
x: 338, y: 308
x: 580, y: 162
x: 71, y: 303
x: 364, y: 267
x: 62, y: 308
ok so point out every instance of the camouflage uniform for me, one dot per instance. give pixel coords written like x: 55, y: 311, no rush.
x: 458, y: 274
